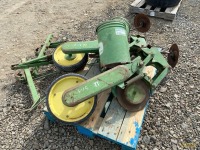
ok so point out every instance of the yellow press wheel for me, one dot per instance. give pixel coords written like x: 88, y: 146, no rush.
x: 69, y: 62
x: 61, y: 112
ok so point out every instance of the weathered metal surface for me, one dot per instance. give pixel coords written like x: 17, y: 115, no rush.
x: 80, y: 47
x: 113, y: 43
x: 173, y: 55
x: 41, y: 60
x: 31, y: 85
x: 137, y: 41
x: 45, y: 46
x: 96, y: 85
x: 134, y: 97
x: 161, y: 76
x: 142, y: 23
x: 155, y: 56
x: 36, y: 62
x: 128, y: 61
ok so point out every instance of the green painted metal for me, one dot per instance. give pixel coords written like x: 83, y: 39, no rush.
x: 45, y: 46
x: 80, y: 47
x: 100, y: 83
x: 42, y: 51
x: 157, y: 56
x: 125, y: 61
x: 31, y: 85
x: 125, y: 21
x: 70, y: 56
x: 161, y: 76
x: 113, y: 43
x: 96, y: 85
x: 137, y: 41
x: 36, y: 62
x: 41, y: 60
x: 134, y: 94
x: 56, y: 44
x: 145, y: 56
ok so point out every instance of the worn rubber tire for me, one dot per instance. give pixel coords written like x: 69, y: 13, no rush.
x: 72, y: 68
x: 162, y: 3
x: 47, y: 99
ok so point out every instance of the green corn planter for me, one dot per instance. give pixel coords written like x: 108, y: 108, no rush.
x: 113, y: 42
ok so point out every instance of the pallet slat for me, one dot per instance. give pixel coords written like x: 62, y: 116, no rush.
x: 112, y: 122
x: 157, y: 9
x: 130, y: 130
x: 141, y: 3
x: 168, y: 13
x: 135, y: 2
x: 91, y: 123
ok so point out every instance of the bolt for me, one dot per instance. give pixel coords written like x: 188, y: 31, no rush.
x: 141, y: 63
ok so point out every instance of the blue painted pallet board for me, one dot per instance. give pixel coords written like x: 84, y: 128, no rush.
x: 117, y: 125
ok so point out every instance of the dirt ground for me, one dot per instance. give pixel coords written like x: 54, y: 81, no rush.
x: 174, y: 113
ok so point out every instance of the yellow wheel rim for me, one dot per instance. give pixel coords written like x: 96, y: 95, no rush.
x: 60, y: 58
x: 63, y: 112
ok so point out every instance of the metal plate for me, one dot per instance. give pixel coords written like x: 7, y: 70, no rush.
x: 142, y: 23
x: 131, y: 104
x: 173, y: 55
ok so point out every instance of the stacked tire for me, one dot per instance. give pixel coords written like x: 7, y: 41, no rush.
x: 163, y: 3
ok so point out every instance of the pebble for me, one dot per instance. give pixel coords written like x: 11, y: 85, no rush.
x: 163, y: 89
x: 174, y: 141
x: 174, y: 147
x: 176, y: 96
x: 168, y: 105
x: 4, y: 109
x: 46, y: 124
x: 98, y: 1
x: 91, y: 142
x: 171, y: 132
x: 76, y: 148
x: 64, y: 38
x: 36, y: 145
x: 184, y: 126
x: 146, y: 139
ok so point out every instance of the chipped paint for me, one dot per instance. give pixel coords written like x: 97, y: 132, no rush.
x: 133, y: 141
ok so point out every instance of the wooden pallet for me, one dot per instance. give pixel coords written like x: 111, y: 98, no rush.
x: 116, y: 125
x: 139, y: 6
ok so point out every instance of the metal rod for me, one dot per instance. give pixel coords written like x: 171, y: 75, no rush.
x: 45, y: 46
x: 31, y: 85
x: 42, y: 51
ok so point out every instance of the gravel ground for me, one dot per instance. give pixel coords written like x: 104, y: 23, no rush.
x: 173, y: 117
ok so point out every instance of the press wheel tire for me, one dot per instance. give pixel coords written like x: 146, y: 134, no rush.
x: 162, y: 3
x: 61, y: 112
x: 63, y: 64
x: 127, y: 102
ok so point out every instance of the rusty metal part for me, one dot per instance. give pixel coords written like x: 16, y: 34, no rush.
x: 142, y: 23
x: 173, y: 55
x: 131, y: 81
x: 129, y: 104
